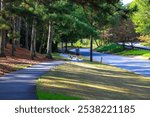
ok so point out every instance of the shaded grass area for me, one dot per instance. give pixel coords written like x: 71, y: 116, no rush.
x: 57, y: 56
x: 92, y: 81
x: 136, y: 52
x: 54, y: 96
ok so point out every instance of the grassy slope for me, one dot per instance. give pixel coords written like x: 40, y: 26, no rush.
x: 92, y: 81
x: 117, y: 49
x: 136, y: 52
x: 110, y: 48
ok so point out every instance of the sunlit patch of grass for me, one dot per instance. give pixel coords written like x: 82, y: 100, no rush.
x: 136, y: 52
x: 94, y: 81
x: 20, y: 66
x: 111, y: 48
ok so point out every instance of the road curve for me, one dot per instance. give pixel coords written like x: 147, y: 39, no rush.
x: 137, y: 66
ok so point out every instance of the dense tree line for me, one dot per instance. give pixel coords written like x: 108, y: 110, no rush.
x: 141, y: 18
x: 38, y: 25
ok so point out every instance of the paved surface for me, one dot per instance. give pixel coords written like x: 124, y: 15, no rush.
x: 21, y: 85
x: 138, y: 66
x: 136, y: 45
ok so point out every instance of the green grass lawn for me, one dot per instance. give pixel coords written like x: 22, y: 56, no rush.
x: 110, y: 48
x: 117, y: 49
x: 92, y: 81
x: 136, y: 52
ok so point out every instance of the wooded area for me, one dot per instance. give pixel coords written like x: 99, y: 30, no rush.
x: 40, y: 25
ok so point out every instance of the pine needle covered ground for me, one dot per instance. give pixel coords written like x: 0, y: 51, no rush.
x: 21, y: 60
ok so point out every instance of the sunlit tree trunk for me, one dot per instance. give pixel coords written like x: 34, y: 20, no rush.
x: 49, y: 41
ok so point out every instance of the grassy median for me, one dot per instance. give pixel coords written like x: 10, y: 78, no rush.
x: 92, y: 81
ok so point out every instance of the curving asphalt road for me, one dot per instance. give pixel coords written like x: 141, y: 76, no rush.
x: 21, y: 85
x: 137, y: 66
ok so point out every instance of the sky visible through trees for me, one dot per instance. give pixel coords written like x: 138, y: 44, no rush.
x: 127, y: 1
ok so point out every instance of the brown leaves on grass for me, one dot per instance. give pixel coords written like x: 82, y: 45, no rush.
x: 21, y: 60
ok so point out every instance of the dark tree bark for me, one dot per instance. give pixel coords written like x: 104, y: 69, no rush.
x: 14, y: 40
x: 66, y: 46
x: 6, y: 39
x: 32, y: 40
x: 18, y: 29
x: 62, y: 46
x: 42, y: 43
x: 2, y: 39
x: 27, y: 36
x: 49, y: 41
x: 91, y: 49
x: 34, y: 51
x: 2, y: 44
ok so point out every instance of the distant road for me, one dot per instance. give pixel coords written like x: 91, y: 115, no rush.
x: 131, y: 64
x: 137, y: 45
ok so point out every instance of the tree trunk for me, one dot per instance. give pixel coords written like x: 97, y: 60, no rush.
x: 2, y: 44
x: 18, y: 29
x: 72, y: 44
x: 2, y: 40
x: 91, y: 49
x: 62, y: 46
x: 49, y: 41
x: 66, y: 46
x: 14, y: 40
x: 124, y: 46
x: 6, y: 39
x: 13, y: 47
x: 32, y: 40
x: 27, y: 36
x: 34, y: 51
x: 42, y: 42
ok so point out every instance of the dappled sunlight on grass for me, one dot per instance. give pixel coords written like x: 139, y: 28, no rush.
x: 58, y: 82
x: 95, y: 81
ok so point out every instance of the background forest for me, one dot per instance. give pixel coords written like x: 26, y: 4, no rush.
x: 41, y: 25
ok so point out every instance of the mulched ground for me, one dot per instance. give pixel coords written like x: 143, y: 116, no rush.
x: 21, y: 60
